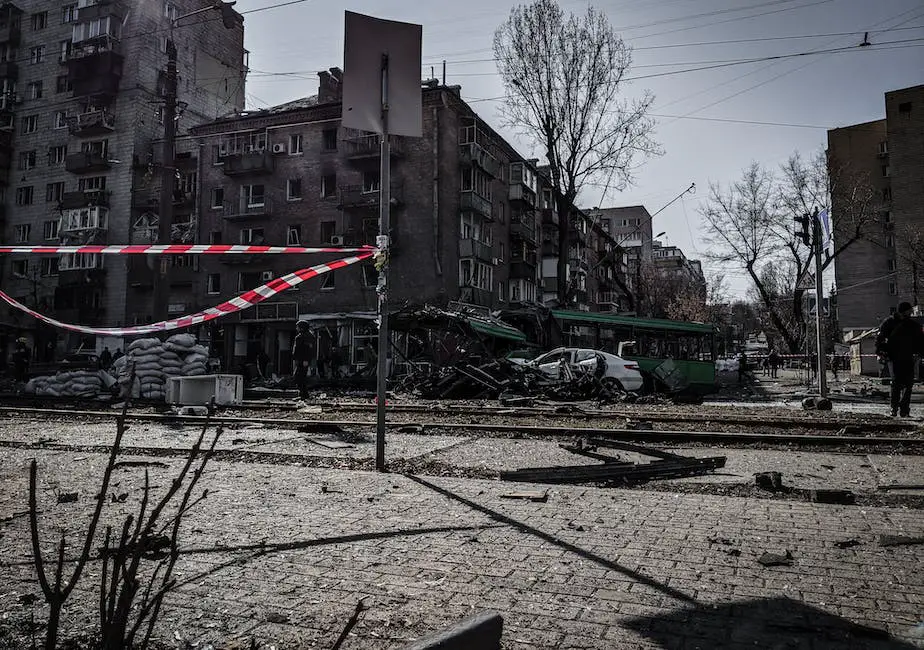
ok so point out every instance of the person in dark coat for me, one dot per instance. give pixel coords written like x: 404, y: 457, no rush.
x: 21, y: 358
x: 774, y: 360
x: 900, y: 338
x: 105, y: 359
x: 303, y: 353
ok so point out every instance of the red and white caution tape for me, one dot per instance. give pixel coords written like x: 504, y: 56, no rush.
x: 244, y: 301
x: 183, y: 249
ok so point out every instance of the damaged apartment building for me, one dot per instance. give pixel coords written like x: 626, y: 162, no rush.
x: 81, y: 106
x: 470, y: 218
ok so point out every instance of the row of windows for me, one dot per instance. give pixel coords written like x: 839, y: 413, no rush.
x: 257, y: 236
x: 252, y: 279
x: 54, y: 192
x: 254, y: 196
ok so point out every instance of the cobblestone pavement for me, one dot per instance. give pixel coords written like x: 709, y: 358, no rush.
x: 282, y: 554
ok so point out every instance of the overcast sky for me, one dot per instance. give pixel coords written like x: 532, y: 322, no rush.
x: 815, y: 92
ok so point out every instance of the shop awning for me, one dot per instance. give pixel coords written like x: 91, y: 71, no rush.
x: 497, y: 330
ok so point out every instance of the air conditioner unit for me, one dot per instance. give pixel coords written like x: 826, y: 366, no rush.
x: 337, y: 240
x: 497, y: 261
x: 279, y: 147
x: 266, y: 276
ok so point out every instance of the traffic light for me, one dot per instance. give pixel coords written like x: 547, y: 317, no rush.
x: 805, y: 234
x: 229, y: 18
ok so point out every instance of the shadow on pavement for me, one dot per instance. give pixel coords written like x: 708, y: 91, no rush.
x: 268, y: 548
x: 770, y: 623
x: 568, y: 546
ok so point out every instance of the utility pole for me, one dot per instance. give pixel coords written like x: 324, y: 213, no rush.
x: 161, y: 306
x: 382, y: 243
x: 818, y: 247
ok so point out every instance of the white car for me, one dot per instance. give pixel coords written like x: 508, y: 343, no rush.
x: 621, y: 372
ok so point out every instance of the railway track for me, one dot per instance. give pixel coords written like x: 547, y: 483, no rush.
x: 423, y: 426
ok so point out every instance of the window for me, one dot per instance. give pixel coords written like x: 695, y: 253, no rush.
x: 104, y: 26
x: 30, y: 124
x: 886, y: 171
x: 502, y: 251
x: 78, y: 261
x: 35, y: 89
x: 887, y: 216
x: 24, y: 195
x: 20, y: 268
x: 294, y: 189
x: 214, y: 283
x: 293, y: 236
x: 502, y: 291
x: 891, y: 265
x: 50, y: 229
x: 64, y: 51
x: 69, y: 13
x: 91, y: 184
x: 96, y: 147
x: 248, y: 280
x: 893, y: 289
x: 23, y: 231
x: 63, y: 84
x: 328, y: 185
x: 904, y: 107
x: 295, y: 144
x: 887, y: 194
x: 61, y: 119
x: 48, y: 266
x: 39, y: 20
x: 371, y: 181
x: 253, y: 195
x: 328, y: 230
x: 37, y: 54
x: 171, y: 11
x: 890, y: 241
x: 27, y: 160
x: 329, y: 139
x: 215, y: 237
x: 252, y: 236
x: 327, y: 282
x: 218, y: 197
x: 370, y: 276
x: 500, y: 213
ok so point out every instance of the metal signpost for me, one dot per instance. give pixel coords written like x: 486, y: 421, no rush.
x: 382, y: 94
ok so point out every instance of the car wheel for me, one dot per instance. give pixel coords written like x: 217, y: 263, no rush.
x: 613, y: 384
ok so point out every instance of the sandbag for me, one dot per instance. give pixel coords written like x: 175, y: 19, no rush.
x: 194, y: 371
x: 144, y: 344
x: 184, y: 340
x: 195, y: 358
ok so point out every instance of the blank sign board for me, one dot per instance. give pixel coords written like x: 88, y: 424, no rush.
x: 367, y: 41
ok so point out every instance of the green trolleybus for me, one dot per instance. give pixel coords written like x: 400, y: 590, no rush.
x: 690, y: 348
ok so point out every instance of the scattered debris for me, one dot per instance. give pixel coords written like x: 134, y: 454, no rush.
x: 331, y: 443
x: 138, y: 463
x: 847, y: 543
x: 724, y: 541
x: 899, y: 540
x: 67, y: 497
x: 277, y: 617
x: 613, y: 471
x: 121, y: 498
x: 841, y: 497
x: 541, y: 496
x: 775, y: 559
x: 770, y: 481
x: 411, y: 428
x: 899, y: 486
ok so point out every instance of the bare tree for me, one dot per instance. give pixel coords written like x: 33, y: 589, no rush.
x: 563, y: 83
x: 751, y: 224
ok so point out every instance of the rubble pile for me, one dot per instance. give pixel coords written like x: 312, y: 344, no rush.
x: 77, y: 383
x: 502, y: 379
x: 152, y: 361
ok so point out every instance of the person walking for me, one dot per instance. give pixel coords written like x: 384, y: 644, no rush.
x: 900, y: 338
x: 774, y: 360
x: 21, y: 357
x: 105, y: 359
x: 303, y: 353
x: 742, y: 367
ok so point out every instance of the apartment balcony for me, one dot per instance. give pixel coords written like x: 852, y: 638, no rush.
x: 523, y: 269
x: 549, y: 217
x: 254, y: 163
x: 9, y: 70
x: 90, y: 198
x: 253, y: 208
x: 476, y: 296
x: 366, y: 147
x: 10, y: 31
x: 522, y: 194
x: 94, y: 67
x: 579, y: 265
x: 85, y: 162
x: 473, y: 154
x: 523, y: 227
x: 472, y: 202
x: 100, y: 122
x: 472, y: 248
x: 357, y: 197
x: 575, y: 234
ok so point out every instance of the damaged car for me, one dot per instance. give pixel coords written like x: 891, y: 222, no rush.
x: 614, y: 370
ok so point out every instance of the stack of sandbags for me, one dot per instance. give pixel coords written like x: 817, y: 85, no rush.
x: 155, y: 360
x: 76, y: 383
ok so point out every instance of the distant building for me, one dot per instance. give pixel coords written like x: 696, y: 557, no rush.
x: 631, y: 229
x: 874, y: 274
x: 671, y: 259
